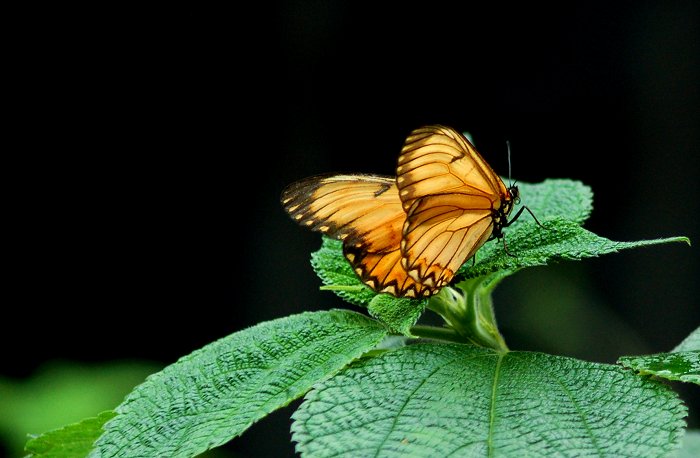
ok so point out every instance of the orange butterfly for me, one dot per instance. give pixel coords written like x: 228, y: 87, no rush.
x: 408, y: 235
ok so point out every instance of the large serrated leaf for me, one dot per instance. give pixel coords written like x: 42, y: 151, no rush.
x: 214, y: 394
x: 559, y: 239
x: 464, y: 401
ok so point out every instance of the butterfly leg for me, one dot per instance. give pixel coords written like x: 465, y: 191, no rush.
x: 505, y: 248
x: 517, y: 215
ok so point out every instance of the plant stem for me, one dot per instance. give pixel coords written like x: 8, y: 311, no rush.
x: 468, y: 310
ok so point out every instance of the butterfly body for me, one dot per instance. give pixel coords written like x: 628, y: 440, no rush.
x: 408, y: 235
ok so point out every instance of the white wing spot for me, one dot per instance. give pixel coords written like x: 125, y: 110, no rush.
x: 391, y: 289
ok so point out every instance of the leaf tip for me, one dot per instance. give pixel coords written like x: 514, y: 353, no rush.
x: 681, y: 239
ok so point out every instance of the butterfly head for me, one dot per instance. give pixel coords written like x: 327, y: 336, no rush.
x: 514, y: 194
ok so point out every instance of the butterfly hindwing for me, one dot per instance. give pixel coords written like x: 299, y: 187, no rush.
x: 384, y: 273
x: 436, y: 244
x: 365, y: 212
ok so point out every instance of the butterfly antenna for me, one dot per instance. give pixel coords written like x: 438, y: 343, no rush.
x: 510, y: 180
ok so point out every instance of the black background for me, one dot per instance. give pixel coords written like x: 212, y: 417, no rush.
x: 147, y: 151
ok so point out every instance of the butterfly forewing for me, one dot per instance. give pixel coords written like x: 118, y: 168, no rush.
x: 342, y: 205
x: 439, y: 160
x: 449, y: 193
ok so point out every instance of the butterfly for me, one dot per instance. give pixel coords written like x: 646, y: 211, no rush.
x: 408, y: 235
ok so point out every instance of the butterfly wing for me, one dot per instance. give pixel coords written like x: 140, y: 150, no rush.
x: 365, y: 212
x: 343, y: 206
x: 449, y: 194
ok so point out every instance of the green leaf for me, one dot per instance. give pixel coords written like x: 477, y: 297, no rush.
x: 214, y: 394
x: 398, y: 314
x: 72, y: 441
x: 692, y: 342
x: 690, y: 445
x: 555, y: 198
x: 460, y: 400
x: 681, y: 366
x: 335, y: 271
x: 560, y: 239
x: 561, y: 206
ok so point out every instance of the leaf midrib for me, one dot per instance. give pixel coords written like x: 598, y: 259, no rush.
x: 410, y: 396
x: 492, y: 410
x: 574, y: 403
